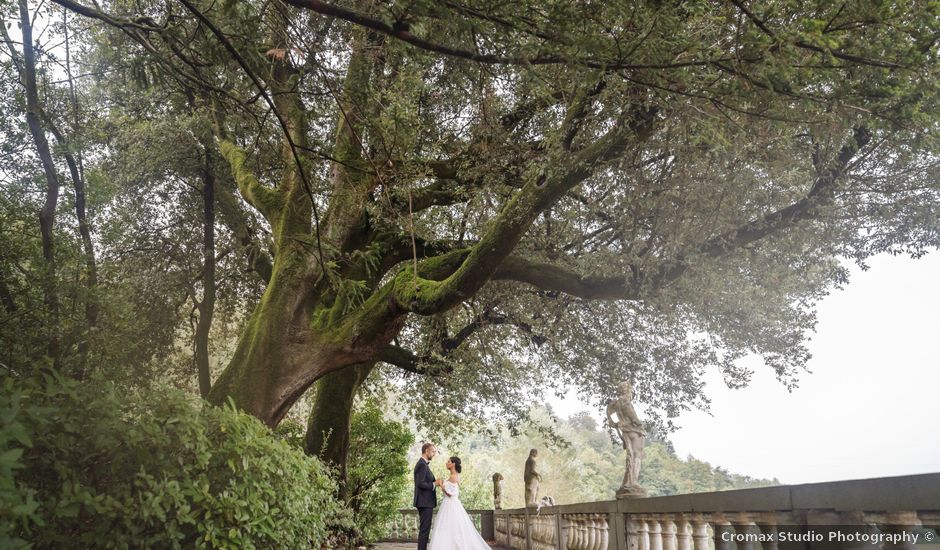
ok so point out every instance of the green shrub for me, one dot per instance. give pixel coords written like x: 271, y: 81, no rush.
x: 83, y: 466
x: 376, y: 473
x: 377, y: 468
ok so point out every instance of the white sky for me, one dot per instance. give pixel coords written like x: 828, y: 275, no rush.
x: 870, y: 405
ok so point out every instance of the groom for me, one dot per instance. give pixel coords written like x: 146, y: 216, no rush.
x: 425, y: 498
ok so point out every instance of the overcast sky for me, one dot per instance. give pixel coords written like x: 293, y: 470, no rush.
x: 869, y: 408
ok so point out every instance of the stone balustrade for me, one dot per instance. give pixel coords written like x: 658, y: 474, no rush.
x: 772, y: 518
x: 404, y: 526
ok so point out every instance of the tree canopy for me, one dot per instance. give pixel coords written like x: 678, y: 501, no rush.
x: 486, y: 200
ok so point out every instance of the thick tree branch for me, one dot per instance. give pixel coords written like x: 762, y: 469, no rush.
x: 821, y: 192
x: 539, y: 193
x: 361, y: 19
x: 409, y: 361
x: 265, y: 199
x: 552, y: 277
x: 401, y: 248
x: 351, y: 180
x: 485, y: 319
x: 145, y: 24
x: 577, y: 112
x: 433, y: 366
x: 233, y: 217
x: 289, y: 135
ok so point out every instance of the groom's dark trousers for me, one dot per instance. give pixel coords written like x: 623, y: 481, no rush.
x: 425, y: 500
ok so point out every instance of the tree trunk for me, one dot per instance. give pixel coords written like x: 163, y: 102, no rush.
x: 77, y: 173
x: 206, y: 306
x: 265, y: 375
x: 280, y: 354
x: 47, y: 213
x: 328, y: 428
x: 305, y: 327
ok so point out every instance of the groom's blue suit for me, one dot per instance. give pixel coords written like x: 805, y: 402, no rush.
x: 425, y: 500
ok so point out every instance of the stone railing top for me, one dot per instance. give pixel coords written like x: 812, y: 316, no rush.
x: 882, y: 494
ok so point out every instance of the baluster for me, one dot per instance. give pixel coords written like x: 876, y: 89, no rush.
x: 744, y: 526
x: 604, y: 532
x: 551, y: 532
x: 669, y: 534
x: 633, y: 534
x: 644, y: 534
x: 580, y: 538
x: 512, y: 531
x: 656, y: 534
x: 683, y: 534
x: 509, y: 524
x: 767, y: 523
x: 699, y: 533
x: 721, y: 525
x: 772, y: 543
x: 868, y: 526
x: 898, y: 523
x: 591, y: 532
x: 597, y: 528
x: 587, y: 528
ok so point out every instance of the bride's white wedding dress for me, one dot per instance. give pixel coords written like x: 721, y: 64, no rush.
x: 452, y: 528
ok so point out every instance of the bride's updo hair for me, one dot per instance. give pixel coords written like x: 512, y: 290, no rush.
x: 456, y: 463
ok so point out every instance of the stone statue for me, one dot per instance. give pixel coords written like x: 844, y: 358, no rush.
x: 622, y: 417
x: 497, y: 491
x: 532, y: 480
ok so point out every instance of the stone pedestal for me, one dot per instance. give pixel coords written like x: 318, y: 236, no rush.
x: 631, y: 491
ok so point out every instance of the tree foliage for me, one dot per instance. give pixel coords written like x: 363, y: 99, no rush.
x: 492, y: 200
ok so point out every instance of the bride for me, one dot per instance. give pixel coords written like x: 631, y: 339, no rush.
x: 453, y: 529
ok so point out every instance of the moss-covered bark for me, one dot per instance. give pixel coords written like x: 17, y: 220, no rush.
x: 328, y: 427
x: 262, y: 375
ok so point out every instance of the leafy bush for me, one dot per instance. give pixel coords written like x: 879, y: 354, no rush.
x: 376, y: 471
x: 377, y: 468
x: 83, y: 466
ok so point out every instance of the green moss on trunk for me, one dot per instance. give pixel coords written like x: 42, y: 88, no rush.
x: 328, y: 427
x: 261, y: 368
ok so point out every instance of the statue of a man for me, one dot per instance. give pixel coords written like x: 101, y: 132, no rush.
x: 532, y: 479
x: 497, y: 491
x: 622, y: 417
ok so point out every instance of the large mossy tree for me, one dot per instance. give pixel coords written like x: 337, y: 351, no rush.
x: 596, y: 190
